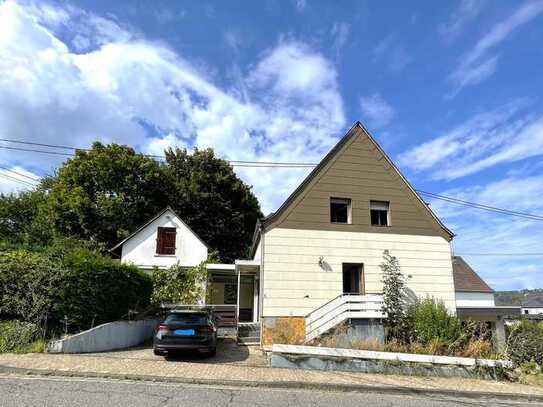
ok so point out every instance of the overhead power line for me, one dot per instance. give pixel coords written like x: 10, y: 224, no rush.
x: 20, y: 174
x: 13, y: 179
x: 236, y: 163
x: 271, y: 164
x: 482, y: 206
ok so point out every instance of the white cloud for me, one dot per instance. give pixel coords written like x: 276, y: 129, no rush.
x: 505, y: 134
x: 301, y: 5
x: 119, y: 87
x: 390, y: 53
x: 376, y: 110
x: 340, y: 34
x: 466, y: 12
x: 476, y: 65
x: 486, y: 237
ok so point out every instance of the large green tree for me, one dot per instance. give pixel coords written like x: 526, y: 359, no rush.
x: 218, y: 205
x: 104, y: 193
x: 107, y: 192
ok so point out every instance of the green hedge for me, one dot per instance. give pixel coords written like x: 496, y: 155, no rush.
x: 525, y: 343
x: 17, y: 336
x: 80, y: 285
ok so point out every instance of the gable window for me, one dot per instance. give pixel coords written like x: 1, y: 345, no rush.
x: 165, y: 242
x: 340, y: 210
x: 379, y: 213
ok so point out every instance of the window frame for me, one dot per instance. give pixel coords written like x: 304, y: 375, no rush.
x: 161, y: 232
x: 388, y: 213
x: 349, y: 210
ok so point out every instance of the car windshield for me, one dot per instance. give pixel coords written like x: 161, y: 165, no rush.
x: 186, y: 319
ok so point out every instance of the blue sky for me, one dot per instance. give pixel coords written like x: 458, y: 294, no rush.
x: 451, y: 90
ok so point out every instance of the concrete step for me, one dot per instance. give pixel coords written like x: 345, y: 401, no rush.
x: 249, y: 340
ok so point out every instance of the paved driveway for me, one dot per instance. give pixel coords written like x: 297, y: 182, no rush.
x: 228, y: 352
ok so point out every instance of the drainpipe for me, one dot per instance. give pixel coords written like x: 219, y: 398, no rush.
x: 261, y: 289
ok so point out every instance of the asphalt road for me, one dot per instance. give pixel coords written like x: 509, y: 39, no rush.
x: 38, y: 391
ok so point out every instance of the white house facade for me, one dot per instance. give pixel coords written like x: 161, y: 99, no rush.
x: 162, y: 242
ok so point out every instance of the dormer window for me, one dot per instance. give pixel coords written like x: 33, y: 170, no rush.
x: 165, y: 242
x: 340, y: 210
x: 380, y: 213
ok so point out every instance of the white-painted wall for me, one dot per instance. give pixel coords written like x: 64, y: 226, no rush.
x: 258, y: 251
x: 292, y: 272
x: 141, y: 248
x: 531, y: 311
x: 472, y: 299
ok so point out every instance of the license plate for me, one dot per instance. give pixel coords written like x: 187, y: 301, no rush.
x: 184, y: 332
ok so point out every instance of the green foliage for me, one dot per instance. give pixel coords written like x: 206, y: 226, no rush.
x: 19, y: 337
x: 525, y: 343
x: 96, y: 289
x: 432, y: 321
x: 104, y: 194
x: 209, y: 196
x: 71, y: 289
x: 23, y: 220
x: 394, y: 296
x: 179, y: 285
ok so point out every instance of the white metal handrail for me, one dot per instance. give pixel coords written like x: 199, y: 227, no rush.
x: 341, y: 308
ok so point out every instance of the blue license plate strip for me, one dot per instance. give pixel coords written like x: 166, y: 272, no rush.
x: 184, y: 332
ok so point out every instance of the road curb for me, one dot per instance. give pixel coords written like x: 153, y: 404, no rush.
x: 354, y: 388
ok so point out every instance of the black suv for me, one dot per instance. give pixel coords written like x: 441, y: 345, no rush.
x: 186, y: 330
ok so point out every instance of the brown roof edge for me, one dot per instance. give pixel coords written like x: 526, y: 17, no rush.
x: 168, y: 208
x: 350, y: 133
x: 466, y: 279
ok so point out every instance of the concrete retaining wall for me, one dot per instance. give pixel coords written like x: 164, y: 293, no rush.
x: 110, y: 336
x: 321, y: 358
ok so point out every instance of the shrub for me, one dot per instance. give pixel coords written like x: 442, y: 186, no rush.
x: 18, y: 337
x: 394, y: 297
x: 179, y: 285
x: 525, y: 343
x: 433, y: 322
x: 79, y: 284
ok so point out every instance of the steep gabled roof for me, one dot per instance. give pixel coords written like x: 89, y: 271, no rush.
x: 162, y: 212
x: 355, y: 130
x: 466, y: 279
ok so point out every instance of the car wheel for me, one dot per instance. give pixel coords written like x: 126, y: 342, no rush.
x: 212, y: 352
x: 157, y: 352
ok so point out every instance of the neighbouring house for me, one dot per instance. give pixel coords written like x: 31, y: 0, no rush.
x: 475, y: 300
x: 532, y: 306
x: 315, y: 262
x: 162, y: 242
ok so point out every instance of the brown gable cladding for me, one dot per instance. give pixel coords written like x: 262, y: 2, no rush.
x: 358, y: 169
x: 466, y: 279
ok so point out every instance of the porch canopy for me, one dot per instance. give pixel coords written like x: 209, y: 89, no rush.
x: 235, y: 285
x: 488, y: 313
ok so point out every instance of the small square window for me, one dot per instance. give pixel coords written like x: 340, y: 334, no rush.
x: 340, y: 210
x: 379, y: 213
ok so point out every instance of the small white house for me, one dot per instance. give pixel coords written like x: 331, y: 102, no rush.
x: 533, y: 306
x: 162, y: 242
